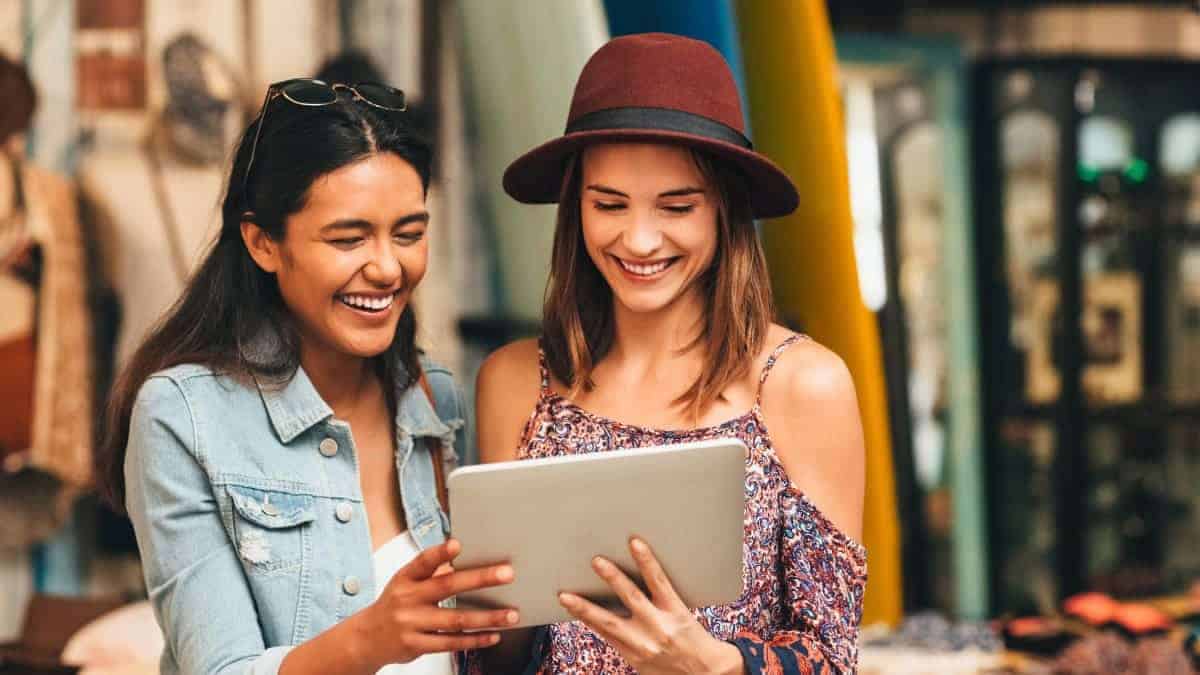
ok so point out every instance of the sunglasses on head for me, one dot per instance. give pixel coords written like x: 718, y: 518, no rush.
x: 312, y: 93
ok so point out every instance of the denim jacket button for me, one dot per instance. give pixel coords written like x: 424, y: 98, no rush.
x: 328, y: 447
x: 351, y: 586
x: 344, y: 512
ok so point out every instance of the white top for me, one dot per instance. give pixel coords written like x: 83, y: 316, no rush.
x: 388, y: 560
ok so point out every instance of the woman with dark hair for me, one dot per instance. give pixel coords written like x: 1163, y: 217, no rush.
x: 278, y: 440
x: 658, y: 328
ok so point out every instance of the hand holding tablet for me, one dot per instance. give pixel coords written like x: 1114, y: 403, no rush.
x: 657, y: 633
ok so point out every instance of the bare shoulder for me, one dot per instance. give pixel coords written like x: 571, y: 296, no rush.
x: 811, y: 409
x: 808, y: 370
x: 514, y: 361
x: 506, y: 391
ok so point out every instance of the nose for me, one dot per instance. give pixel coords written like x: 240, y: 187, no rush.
x: 384, y: 268
x: 644, y: 236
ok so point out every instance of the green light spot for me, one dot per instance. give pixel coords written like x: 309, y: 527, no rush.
x: 1137, y: 170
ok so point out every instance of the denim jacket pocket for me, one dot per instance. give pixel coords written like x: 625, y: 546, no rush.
x: 269, y: 527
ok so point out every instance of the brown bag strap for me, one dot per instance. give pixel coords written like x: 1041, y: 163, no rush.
x: 435, y: 453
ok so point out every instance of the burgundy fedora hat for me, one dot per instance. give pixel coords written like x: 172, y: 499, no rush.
x: 655, y: 87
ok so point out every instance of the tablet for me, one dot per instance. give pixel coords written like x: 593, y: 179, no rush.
x: 549, y: 517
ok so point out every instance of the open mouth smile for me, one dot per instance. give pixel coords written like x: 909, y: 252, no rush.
x: 370, y: 304
x: 646, y: 270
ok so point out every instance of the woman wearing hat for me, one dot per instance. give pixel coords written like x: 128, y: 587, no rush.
x: 658, y: 329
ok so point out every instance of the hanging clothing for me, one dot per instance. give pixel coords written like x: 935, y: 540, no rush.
x: 62, y: 421
x: 39, y: 482
x: 19, y: 275
x: 17, y: 354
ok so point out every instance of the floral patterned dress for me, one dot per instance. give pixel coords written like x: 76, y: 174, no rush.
x: 803, y: 579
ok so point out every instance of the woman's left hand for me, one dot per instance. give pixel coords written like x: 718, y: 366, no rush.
x: 662, y: 636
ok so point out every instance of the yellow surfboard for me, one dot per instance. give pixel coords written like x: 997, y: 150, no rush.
x: 795, y: 112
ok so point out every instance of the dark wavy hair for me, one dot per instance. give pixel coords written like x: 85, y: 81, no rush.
x: 230, y: 303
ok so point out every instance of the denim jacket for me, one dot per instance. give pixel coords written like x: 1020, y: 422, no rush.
x: 249, y: 514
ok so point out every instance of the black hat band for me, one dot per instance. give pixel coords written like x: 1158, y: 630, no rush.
x: 659, y: 119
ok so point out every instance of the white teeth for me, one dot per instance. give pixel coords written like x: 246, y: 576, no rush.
x: 645, y: 270
x: 364, y: 302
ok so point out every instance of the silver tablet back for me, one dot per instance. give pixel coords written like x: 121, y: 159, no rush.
x: 549, y: 517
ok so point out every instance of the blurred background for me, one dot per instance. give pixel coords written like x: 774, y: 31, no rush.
x: 999, y: 233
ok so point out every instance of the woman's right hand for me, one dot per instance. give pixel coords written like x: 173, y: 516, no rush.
x: 406, y: 621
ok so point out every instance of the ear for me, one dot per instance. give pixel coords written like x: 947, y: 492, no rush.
x: 262, y: 247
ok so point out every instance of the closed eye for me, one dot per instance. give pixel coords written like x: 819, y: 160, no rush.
x: 609, y: 206
x: 346, y: 242
x: 680, y: 209
x: 409, y: 237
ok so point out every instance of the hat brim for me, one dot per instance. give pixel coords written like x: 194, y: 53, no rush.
x: 536, y: 177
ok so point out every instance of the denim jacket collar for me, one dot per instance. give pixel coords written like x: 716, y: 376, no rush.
x: 415, y: 414
x: 295, y: 406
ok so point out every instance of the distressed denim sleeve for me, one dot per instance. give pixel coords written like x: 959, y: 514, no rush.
x: 199, y: 592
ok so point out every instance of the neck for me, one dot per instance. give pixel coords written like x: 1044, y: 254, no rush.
x: 660, y: 335
x: 341, y: 380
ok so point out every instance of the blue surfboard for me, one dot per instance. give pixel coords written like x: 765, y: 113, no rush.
x: 714, y: 21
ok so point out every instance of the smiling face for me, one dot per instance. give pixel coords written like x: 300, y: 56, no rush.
x: 351, y: 257
x: 649, y: 222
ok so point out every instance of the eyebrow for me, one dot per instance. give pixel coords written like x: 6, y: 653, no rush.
x: 682, y: 192
x: 678, y: 192
x: 360, y: 224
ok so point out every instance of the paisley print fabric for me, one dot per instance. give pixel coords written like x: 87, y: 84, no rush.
x: 803, y: 579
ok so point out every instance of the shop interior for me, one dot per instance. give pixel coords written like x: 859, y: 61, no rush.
x: 1011, y: 270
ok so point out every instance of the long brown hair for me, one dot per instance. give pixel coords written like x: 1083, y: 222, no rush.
x: 577, y: 318
x: 230, y: 302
